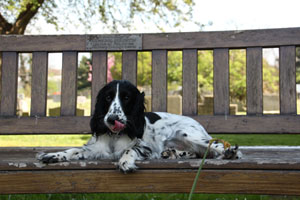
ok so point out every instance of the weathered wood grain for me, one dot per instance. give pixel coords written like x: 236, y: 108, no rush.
x: 190, y: 82
x: 267, y: 124
x: 99, y: 74
x: 129, y: 66
x: 45, y: 125
x: 159, y: 80
x: 50, y: 43
x: 287, y: 79
x: 39, y: 83
x: 254, y: 157
x: 194, y: 40
x: 69, y: 84
x: 210, y: 181
x: 254, y: 81
x: 9, y: 83
x: 222, y: 39
x: 221, y: 82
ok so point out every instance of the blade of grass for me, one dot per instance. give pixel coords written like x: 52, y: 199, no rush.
x: 198, y: 174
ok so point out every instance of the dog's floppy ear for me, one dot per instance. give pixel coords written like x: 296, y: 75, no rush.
x: 97, y: 122
x: 138, y: 116
x: 140, y: 102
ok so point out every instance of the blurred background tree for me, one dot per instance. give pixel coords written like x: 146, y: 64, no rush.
x: 298, y: 65
x: 16, y: 15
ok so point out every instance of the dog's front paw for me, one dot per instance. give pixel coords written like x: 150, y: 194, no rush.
x: 169, y: 153
x: 50, y: 157
x: 127, y: 165
x: 232, y: 153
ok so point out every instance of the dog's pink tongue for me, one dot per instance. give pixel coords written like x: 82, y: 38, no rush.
x: 118, y: 126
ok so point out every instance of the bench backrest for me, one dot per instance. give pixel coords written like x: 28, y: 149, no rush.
x: 159, y: 44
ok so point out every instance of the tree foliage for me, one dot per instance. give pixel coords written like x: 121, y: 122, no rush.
x: 15, y: 15
x: 205, y: 71
x: 298, y: 65
x: 237, y: 71
x: 83, y: 73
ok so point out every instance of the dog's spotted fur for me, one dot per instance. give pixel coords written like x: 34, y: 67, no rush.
x: 123, y: 131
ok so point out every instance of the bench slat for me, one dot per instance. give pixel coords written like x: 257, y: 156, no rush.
x: 189, y: 82
x: 69, y: 84
x: 129, y: 66
x: 254, y: 157
x: 39, y: 84
x: 210, y: 181
x: 266, y: 124
x: 175, y: 41
x: 221, y: 81
x: 254, y: 81
x: 44, y: 125
x: 99, y: 74
x: 287, y: 77
x: 159, y: 80
x: 9, y: 83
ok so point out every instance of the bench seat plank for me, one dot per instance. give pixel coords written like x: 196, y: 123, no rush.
x: 266, y: 124
x: 154, y: 181
x: 21, y: 173
x: 267, y: 158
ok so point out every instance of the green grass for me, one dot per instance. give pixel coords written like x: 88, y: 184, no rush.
x: 261, y: 139
x: 43, y: 140
x: 79, y: 140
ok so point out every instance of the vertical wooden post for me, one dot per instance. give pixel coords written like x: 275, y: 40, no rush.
x: 9, y: 83
x: 39, y: 83
x: 69, y: 84
x: 159, y: 80
x: 287, y: 78
x: 99, y: 74
x: 129, y: 66
x: 190, y: 82
x: 254, y: 81
x: 221, y: 81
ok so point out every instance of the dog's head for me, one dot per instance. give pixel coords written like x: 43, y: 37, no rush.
x: 119, y: 109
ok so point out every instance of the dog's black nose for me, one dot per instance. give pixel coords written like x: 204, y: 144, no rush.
x: 112, y: 118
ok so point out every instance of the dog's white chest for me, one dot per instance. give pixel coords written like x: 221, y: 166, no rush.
x: 111, y: 147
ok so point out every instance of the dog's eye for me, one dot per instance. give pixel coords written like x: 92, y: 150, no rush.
x: 108, y: 98
x: 126, y: 98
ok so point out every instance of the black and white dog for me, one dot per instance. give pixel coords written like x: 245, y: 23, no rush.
x: 124, y: 131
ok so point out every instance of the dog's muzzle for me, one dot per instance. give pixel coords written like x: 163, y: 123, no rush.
x: 115, y: 124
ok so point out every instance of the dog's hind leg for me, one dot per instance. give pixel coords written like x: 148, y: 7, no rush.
x: 199, y: 141
x: 172, y: 153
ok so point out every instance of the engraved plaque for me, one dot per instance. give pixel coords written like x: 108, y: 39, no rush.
x: 114, y: 42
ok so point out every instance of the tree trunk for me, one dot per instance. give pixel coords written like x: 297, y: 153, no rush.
x: 18, y: 27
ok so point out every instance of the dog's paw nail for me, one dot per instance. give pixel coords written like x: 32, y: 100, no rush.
x: 127, y: 167
x: 165, y: 154
x: 46, y: 158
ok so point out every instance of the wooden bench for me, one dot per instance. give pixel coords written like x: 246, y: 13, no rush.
x: 263, y: 170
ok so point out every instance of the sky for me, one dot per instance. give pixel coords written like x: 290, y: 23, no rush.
x: 223, y: 14
x: 249, y: 14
